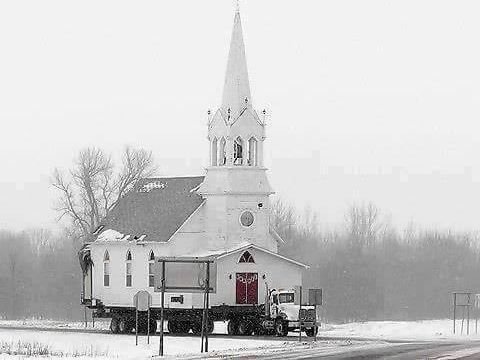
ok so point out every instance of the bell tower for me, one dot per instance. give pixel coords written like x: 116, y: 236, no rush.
x: 236, y: 183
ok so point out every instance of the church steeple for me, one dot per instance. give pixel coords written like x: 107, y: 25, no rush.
x: 236, y: 90
x: 235, y: 131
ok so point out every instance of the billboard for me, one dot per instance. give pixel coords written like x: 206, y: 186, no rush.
x: 184, y: 276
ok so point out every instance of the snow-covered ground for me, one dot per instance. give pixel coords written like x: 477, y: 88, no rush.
x: 428, y: 330
x: 101, y: 345
x: 82, y: 345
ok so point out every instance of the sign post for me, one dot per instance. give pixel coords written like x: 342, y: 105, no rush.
x: 184, y: 275
x: 300, y: 316
x: 142, y: 301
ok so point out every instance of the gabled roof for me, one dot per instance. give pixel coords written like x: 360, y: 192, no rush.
x: 237, y: 248
x: 155, y: 207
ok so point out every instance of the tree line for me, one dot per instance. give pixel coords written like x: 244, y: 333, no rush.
x: 371, y: 271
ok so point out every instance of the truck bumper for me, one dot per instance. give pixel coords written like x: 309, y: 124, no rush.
x: 305, y: 324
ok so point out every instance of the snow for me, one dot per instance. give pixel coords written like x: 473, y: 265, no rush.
x: 424, y: 330
x: 69, y: 339
x: 112, y: 235
x: 109, y: 346
x: 63, y: 338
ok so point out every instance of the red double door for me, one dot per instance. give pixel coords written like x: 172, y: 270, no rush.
x: 247, y: 288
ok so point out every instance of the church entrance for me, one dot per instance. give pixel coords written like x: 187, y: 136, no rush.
x: 247, y: 288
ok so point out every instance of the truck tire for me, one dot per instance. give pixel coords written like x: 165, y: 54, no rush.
x: 244, y: 327
x: 312, y: 332
x: 153, y: 326
x: 281, y: 328
x: 232, y: 327
x: 114, y: 325
x: 124, y: 325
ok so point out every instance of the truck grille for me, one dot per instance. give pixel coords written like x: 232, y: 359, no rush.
x: 307, y: 314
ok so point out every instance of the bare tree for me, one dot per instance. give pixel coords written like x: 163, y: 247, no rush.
x: 363, y: 224
x: 93, y: 186
x: 282, y: 218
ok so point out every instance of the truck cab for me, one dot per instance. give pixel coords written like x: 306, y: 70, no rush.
x: 285, y: 310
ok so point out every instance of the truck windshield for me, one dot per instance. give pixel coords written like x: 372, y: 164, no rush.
x: 286, y: 298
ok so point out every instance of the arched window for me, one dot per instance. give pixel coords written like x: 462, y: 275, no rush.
x: 128, y: 269
x: 214, y: 152
x: 106, y: 269
x: 238, y: 151
x: 222, y: 155
x: 252, y: 152
x: 151, y: 274
x: 246, y: 258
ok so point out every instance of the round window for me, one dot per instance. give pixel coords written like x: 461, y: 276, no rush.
x: 246, y: 218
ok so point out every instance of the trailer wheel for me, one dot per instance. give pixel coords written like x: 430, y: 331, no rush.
x: 281, y: 328
x: 210, y: 325
x: 183, y: 327
x: 171, y: 326
x: 312, y: 332
x: 114, y: 325
x: 232, y: 327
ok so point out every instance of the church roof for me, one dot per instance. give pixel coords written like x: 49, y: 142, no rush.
x: 155, y: 207
x: 237, y: 87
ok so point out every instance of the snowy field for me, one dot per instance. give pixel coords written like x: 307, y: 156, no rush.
x: 425, y: 330
x: 87, y: 345
x: 63, y: 340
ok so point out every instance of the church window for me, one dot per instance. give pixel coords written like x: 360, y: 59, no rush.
x: 151, y: 273
x: 222, y: 155
x: 128, y: 269
x: 238, y: 151
x: 214, y: 152
x: 247, y: 218
x: 252, y: 152
x: 106, y: 269
x: 246, y: 258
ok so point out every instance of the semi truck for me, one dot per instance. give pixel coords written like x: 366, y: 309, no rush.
x: 279, y: 314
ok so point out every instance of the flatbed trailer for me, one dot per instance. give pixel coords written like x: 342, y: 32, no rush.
x: 258, y: 319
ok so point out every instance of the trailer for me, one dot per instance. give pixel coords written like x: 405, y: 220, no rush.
x: 280, y: 314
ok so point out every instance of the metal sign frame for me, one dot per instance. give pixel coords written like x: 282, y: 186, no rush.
x: 141, y: 306
x: 161, y: 261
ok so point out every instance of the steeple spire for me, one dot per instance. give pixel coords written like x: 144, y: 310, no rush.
x: 236, y: 90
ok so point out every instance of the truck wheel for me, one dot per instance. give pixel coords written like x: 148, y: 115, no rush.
x: 281, y: 328
x: 114, y: 325
x: 312, y: 331
x: 123, y: 325
x: 153, y: 326
x: 244, y: 327
x: 232, y: 328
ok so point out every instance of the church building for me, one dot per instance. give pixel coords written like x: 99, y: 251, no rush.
x: 224, y: 214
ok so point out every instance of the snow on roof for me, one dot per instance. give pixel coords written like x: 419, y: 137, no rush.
x: 112, y: 235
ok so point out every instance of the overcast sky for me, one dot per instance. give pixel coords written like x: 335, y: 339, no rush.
x: 370, y: 100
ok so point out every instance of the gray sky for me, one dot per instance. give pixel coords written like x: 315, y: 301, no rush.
x: 370, y: 100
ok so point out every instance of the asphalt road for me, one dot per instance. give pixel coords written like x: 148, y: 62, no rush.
x: 393, y: 351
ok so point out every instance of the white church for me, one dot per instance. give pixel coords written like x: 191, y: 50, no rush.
x: 224, y: 214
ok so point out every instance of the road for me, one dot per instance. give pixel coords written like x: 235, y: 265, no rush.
x: 392, y: 351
